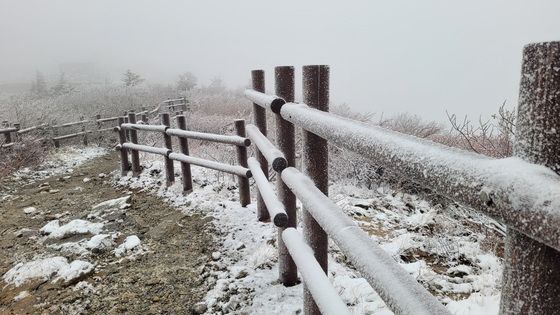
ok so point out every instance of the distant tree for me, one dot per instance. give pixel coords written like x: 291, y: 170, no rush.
x: 216, y: 85
x: 186, y: 82
x: 131, y: 79
x: 39, y: 85
x: 412, y: 125
x: 62, y: 86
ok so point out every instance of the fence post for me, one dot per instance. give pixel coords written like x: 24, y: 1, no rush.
x: 259, y: 117
x: 84, y: 139
x: 125, y: 165
x: 531, y: 283
x: 126, y: 120
x: 133, y: 136
x: 7, y: 135
x: 16, y: 135
x: 55, y: 134
x: 244, y: 189
x: 169, y: 168
x: 316, y: 166
x: 184, y: 145
x: 285, y: 139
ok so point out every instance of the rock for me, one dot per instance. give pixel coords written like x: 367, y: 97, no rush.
x: 44, y: 188
x: 54, y: 191
x: 241, y: 274
x: 86, y: 179
x: 102, y: 175
x: 29, y: 210
x: 199, y: 308
x: 216, y: 255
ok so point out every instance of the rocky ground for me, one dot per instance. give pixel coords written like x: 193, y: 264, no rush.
x: 133, y: 255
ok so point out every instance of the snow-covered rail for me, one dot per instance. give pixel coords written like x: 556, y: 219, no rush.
x: 274, y: 206
x: 272, y: 155
x: 522, y: 192
x: 323, y: 292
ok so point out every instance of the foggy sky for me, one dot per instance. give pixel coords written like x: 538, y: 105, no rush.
x: 417, y: 56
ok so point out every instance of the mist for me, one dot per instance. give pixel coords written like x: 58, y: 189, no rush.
x: 419, y: 57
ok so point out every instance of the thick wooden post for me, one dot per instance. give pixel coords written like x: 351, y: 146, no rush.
x: 169, y: 167
x: 285, y: 140
x: 125, y: 165
x: 259, y: 118
x: 531, y: 283
x: 244, y: 188
x: 316, y: 166
x: 134, y: 155
x: 184, y: 145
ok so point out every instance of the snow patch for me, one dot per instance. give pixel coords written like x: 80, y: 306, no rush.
x: 55, y: 230
x: 46, y: 269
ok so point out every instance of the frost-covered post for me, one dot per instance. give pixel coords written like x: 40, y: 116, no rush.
x: 133, y: 137
x: 144, y: 115
x: 7, y: 135
x: 316, y: 166
x: 85, y: 138
x: 54, y: 134
x: 125, y: 165
x: 259, y: 118
x: 285, y: 139
x: 16, y: 135
x: 169, y: 168
x: 244, y: 188
x: 184, y: 145
x: 531, y: 283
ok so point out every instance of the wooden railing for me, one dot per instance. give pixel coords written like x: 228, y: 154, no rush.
x: 522, y: 192
x: 132, y: 148
x: 55, y: 133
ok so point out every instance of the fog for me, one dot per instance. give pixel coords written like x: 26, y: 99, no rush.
x: 422, y: 57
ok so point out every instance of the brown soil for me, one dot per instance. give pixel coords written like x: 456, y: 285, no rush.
x: 165, y: 280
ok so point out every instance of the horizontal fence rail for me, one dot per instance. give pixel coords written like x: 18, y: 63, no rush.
x: 143, y: 127
x: 274, y: 206
x: 270, y: 152
x: 323, y: 292
x: 233, y: 140
x: 144, y: 148
x: 231, y: 169
x: 527, y: 199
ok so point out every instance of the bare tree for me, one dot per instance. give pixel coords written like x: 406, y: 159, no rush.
x: 412, y: 125
x: 492, y: 137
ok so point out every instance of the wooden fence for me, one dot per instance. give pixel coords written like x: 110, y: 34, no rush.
x: 132, y: 148
x: 522, y: 192
x: 55, y: 133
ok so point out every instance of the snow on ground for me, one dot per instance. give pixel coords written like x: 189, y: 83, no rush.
x: 439, y: 247
x: 60, y: 161
x: 55, y: 268
x: 58, y: 268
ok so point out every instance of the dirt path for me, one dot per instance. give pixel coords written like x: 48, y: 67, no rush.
x: 161, y: 276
